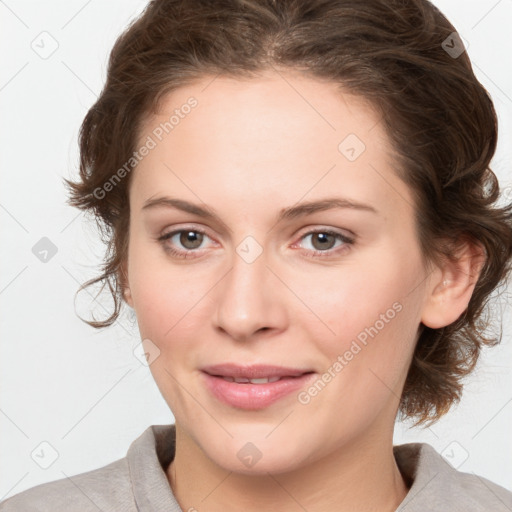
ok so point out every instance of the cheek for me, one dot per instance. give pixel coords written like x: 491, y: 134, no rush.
x: 367, y: 314
x: 346, y: 301
x: 171, y: 309
x: 172, y: 302
x: 168, y: 302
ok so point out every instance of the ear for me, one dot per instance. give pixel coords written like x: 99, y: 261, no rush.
x: 125, y: 286
x: 451, y: 286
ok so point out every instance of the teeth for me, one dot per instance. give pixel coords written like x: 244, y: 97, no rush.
x: 264, y: 380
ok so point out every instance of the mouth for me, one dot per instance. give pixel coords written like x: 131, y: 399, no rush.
x: 253, y: 386
x: 242, y: 380
x: 255, y: 374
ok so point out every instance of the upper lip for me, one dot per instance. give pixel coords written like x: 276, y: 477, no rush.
x: 254, y: 371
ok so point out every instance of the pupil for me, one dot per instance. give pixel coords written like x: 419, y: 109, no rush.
x: 191, y: 236
x: 324, y: 238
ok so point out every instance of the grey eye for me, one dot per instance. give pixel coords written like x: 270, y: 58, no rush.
x: 193, y: 238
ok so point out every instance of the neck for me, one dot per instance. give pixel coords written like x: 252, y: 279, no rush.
x: 363, y: 476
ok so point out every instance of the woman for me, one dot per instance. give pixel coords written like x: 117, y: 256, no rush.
x: 302, y: 217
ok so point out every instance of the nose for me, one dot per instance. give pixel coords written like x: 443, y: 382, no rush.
x: 250, y: 300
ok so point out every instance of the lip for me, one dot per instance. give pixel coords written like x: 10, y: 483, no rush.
x: 254, y: 371
x: 250, y: 396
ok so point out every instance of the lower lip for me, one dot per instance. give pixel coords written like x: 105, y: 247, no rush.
x: 254, y: 396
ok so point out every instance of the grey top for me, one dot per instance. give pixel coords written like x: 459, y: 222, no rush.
x: 138, y: 483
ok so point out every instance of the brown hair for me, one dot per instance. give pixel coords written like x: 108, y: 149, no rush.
x: 439, y: 118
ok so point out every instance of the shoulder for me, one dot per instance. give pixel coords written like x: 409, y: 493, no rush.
x: 135, y: 482
x: 436, y: 485
x: 106, y: 488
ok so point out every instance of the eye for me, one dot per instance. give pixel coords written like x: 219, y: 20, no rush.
x: 323, y: 242
x: 189, y: 239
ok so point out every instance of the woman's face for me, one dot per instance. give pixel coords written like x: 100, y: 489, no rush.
x: 293, y: 246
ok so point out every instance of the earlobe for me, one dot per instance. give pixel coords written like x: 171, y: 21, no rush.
x: 125, y: 287
x: 452, y: 286
x: 127, y: 296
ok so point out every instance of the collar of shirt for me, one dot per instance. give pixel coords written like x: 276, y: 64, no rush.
x: 436, y: 485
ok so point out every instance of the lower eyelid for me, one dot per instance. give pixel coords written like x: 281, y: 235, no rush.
x: 171, y: 234
x: 346, y: 241
x: 339, y: 236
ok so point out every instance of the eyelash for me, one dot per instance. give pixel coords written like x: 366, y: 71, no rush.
x: 347, y: 241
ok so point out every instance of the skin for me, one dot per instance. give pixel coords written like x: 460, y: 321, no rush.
x: 249, y: 149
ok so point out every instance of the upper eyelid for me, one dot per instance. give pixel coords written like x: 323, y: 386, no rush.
x: 307, y: 231
x: 186, y: 228
x: 346, y: 233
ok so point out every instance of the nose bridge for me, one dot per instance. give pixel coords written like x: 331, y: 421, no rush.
x: 248, y: 299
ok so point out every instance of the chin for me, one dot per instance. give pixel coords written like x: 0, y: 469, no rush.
x: 255, y: 458
x: 276, y: 465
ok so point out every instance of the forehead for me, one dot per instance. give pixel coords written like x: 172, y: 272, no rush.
x: 260, y: 137
x: 298, y: 105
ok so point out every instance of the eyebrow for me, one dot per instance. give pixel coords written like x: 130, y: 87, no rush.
x: 292, y: 212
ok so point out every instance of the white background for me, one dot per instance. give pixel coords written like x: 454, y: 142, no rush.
x: 83, y: 391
